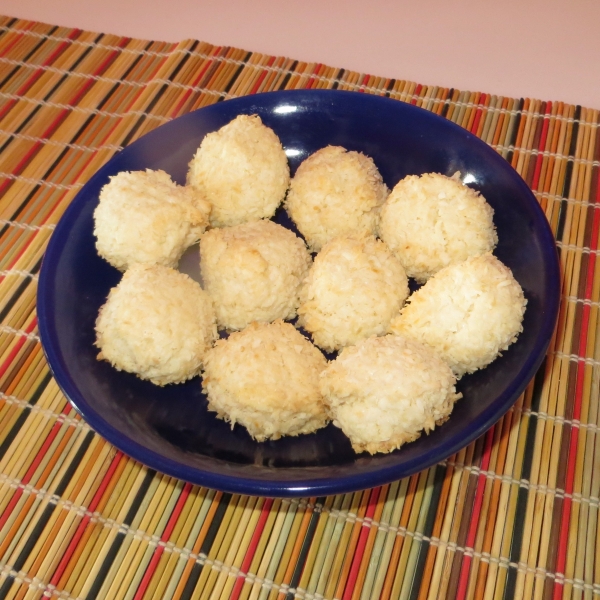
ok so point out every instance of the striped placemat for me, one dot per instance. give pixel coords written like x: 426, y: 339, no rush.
x: 513, y: 515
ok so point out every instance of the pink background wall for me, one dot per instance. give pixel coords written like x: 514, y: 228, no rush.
x: 545, y: 49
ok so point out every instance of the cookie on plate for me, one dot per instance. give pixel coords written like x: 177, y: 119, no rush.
x: 353, y: 290
x: 242, y: 170
x: 335, y: 192
x: 469, y: 313
x: 385, y: 391
x: 253, y: 272
x: 157, y: 323
x: 432, y: 221
x: 266, y: 378
x: 144, y: 217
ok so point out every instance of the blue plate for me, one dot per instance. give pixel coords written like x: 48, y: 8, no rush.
x: 170, y: 429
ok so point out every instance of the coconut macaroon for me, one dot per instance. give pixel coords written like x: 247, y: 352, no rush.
x: 242, y: 170
x: 144, y: 217
x: 385, y: 391
x: 253, y: 272
x: 353, y: 290
x: 157, y: 323
x: 469, y: 313
x: 335, y: 192
x: 266, y: 378
x: 433, y: 221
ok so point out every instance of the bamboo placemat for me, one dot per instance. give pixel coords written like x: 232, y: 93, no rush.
x: 513, y: 515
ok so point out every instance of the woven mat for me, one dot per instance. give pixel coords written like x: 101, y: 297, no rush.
x: 513, y: 515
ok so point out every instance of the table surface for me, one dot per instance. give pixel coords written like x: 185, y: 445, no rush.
x: 544, y: 49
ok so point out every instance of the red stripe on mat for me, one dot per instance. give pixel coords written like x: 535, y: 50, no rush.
x: 312, y: 80
x: 542, y: 146
x: 17, y: 38
x: 17, y: 347
x: 262, y: 76
x: 39, y: 72
x: 563, y: 542
x: 42, y: 452
x: 477, y: 118
x: 62, y: 565
x: 264, y: 515
x: 416, y: 93
x: 465, y: 569
x: 158, y: 552
x: 362, y: 542
x: 195, y: 82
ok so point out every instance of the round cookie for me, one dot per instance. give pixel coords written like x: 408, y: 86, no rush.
x: 335, y: 192
x: 266, y: 378
x: 468, y: 312
x: 157, y: 323
x: 253, y: 272
x: 242, y: 170
x: 432, y: 221
x: 385, y: 391
x: 143, y: 217
x: 352, y: 291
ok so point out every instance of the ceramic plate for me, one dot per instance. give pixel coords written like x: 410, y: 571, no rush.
x: 170, y: 429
